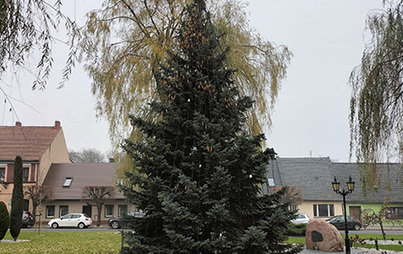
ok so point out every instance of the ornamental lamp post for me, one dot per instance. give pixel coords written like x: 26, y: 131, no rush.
x: 344, y: 193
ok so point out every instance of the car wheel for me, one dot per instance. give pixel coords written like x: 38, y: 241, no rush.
x: 115, y: 225
x: 55, y: 225
x: 81, y: 225
x: 357, y: 227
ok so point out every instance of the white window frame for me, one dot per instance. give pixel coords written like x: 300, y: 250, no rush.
x: 109, y: 213
x: 26, y: 166
x: 329, y: 207
x: 60, y: 210
x: 122, y: 210
x: 68, y: 181
x: 3, y: 178
x: 47, y: 211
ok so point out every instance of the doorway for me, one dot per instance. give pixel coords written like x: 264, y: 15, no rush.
x: 87, y: 209
x: 355, y: 211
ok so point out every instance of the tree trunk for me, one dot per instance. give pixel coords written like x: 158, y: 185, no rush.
x: 34, y: 206
x: 99, y: 208
x: 383, y: 231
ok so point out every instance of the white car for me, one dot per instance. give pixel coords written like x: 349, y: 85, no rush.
x: 301, y: 219
x: 79, y: 220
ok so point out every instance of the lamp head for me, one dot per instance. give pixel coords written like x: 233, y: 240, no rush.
x: 350, y: 184
x: 336, y: 185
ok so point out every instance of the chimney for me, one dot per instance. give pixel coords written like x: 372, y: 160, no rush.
x: 18, y: 124
x: 111, y: 160
x: 57, y: 124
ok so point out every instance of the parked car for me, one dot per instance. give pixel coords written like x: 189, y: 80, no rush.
x: 301, y: 218
x: 79, y: 220
x: 118, y: 222
x: 27, y: 219
x: 338, y: 222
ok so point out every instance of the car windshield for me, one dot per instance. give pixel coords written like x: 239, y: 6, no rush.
x: 337, y: 218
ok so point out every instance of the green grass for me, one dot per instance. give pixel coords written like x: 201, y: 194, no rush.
x: 63, y: 242
x: 377, y: 236
x: 396, y: 238
x: 398, y: 247
x: 109, y: 242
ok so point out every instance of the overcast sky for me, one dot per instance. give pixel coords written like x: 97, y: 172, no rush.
x: 311, y: 115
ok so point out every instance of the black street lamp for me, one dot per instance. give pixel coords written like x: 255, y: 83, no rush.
x: 344, y: 193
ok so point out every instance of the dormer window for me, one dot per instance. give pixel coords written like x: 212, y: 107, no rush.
x: 68, y: 181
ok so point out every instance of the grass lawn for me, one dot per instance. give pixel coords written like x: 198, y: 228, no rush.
x: 63, y: 242
x: 109, y: 242
x: 397, y: 238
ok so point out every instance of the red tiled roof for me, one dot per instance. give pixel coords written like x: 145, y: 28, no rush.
x: 83, y: 174
x: 29, y: 142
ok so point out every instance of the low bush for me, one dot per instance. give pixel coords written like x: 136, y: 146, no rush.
x: 4, y: 220
x: 296, y: 229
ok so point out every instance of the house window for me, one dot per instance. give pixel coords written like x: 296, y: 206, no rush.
x: 67, y: 181
x: 122, y: 209
x: 2, y: 174
x: 293, y: 208
x: 108, y: 210
x: 323, y: 210
x: 63, y: 210
x: 25, y: 174
x: 50, y: 211
x: 394, y: 213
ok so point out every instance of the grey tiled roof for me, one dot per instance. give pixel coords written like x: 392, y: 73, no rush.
x: 390, y: 186
x: 314, y: 177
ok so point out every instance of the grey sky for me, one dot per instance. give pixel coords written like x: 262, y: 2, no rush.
x: 311, y: 115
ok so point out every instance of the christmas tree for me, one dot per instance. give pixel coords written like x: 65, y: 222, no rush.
x: 197, y: 171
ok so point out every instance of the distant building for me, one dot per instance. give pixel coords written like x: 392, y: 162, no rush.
x: 38, y: 146
x: 68, y: 180
x: 313, y: 177
x: 46, y: 163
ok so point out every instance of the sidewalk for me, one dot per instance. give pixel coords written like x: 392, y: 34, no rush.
x: 353, y: 251
x: 386, y: 228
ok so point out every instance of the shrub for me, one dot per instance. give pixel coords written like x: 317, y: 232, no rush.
x: 17, y: 200
x: 4, y: 220
x: 296, y: 229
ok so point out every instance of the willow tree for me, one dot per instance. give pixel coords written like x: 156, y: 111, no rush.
x: 125, y: 41
x: 26, y: 27
x: 376, y: 116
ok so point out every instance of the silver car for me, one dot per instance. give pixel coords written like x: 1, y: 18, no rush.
x: 301, y: 218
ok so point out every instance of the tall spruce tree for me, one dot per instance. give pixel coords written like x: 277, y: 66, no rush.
x: 17, y: 200
x: 198, y: 169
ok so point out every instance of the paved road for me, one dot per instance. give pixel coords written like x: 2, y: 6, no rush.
x: 388, y: 231
x: 352, y: 251
x: 90, y: 229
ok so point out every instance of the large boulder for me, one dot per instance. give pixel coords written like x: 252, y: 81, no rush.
x: 323, y: 236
